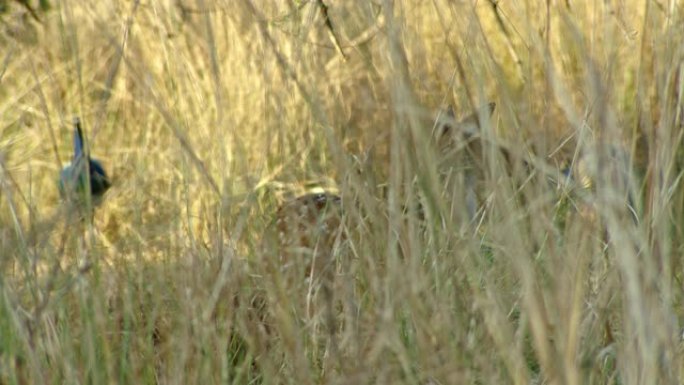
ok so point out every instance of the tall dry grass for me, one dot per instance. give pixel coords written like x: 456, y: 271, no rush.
x: 208, y: 115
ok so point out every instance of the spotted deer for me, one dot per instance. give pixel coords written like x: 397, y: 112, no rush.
x: 309, y: 227
x: 463, y: 148
x: 309, y: 230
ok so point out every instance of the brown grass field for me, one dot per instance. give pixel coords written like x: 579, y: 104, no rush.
x: 458, y: 258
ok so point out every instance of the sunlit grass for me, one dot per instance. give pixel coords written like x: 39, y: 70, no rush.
x: 207, y: 116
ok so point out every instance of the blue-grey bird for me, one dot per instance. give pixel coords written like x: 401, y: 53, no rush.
x: 82, y: 170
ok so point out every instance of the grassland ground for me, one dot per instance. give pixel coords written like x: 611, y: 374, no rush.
x: 550, y: 254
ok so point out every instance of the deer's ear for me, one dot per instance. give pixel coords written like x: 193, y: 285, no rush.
x: 450, y: 112
x: 489, y: 108
x: 447, y: 118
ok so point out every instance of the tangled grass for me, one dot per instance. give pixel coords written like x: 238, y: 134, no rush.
x: 209, y: 115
